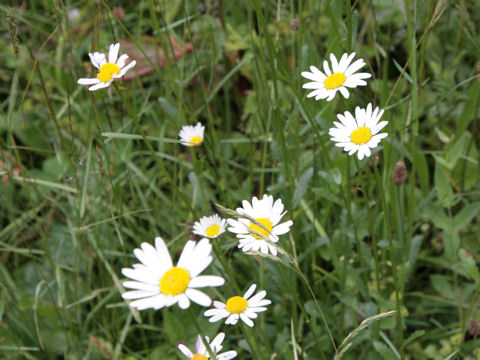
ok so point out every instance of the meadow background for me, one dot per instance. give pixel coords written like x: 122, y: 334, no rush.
x: 86, y: 177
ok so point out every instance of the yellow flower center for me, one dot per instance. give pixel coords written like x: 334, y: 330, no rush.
x: 334, y: 81
x: 236, y: 305
x: 212, y: 230
x: 174, y: 281
x: 361, y: 136
x: 199, y: 357
x: 107, y: 71
x: 266, y: 223
x: 195, y: 141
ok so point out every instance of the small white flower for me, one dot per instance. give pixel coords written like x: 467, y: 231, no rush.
x: 239, y: 307
x: 359, y: 133
x: 325, y: 85
x: 201, y: 352
x: 191, y: 135
x: 158, y: 283
x: 254, y: 237
x: 210, y: 226
x: 115, y: 68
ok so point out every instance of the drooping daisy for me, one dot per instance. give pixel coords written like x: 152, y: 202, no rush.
x: 115, y: 68
x: 158, y: 283
x: 210, y: 226
x: 191, y: 135
x: 244, y: 307
x: 325, y: 85
x: 255, y: 237
x: 359, y: 133
x: 201, y: 352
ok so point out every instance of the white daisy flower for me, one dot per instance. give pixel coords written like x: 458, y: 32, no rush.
x: 158, y: 283
x: 255, y: 237
x: 201, y: 352
x: 325, y: 85
x: 115, y: 68
x: 359, y: 133
x: 244, y: 307
x: 210, y: 226
x: 191, y: 135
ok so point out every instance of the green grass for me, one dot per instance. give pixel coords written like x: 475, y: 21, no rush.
x: 87, y: 177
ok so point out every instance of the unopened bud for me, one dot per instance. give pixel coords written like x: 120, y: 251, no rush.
x: 294, y: 24
x: 399, y: 173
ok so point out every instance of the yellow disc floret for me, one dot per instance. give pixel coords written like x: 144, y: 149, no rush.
x: 236, y: 305
x: 266, y: 223
x: 212, y: 230
x: 195, y: 141
x: 174, y: 281
x: 107, y: 71
x: 334, y: 81
x: 199, y: 357
x: 361, y: 136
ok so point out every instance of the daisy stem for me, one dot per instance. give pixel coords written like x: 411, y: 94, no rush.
x: 302, y: 308
x: 198, y: 173
x: 252, y: 342
x: 200, y: 333
x: 393, y: 258
x: 368, y: 196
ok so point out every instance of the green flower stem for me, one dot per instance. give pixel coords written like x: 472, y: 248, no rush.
x: 252, y: 342
x: 371, y: 224
x: 393, y: 259
x: 302, y: 308
x: 204, y: 340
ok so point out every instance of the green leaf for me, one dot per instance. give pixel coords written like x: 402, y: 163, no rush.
x: 384, y: 351
x: 465, y: 216
x: 468, y: 112
x: 422, y: 170
x: 302, y: 186
x: 451, y: 243
x: 467, y: 263
x: 416, y: 334
x: 454, y: 151
x: 437, y: 216
x: 442, y: 285
x: 442, y: 185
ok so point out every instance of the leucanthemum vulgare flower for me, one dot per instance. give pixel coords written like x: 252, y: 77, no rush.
x: 255, y: 237
x: 158, y: 283
x: 201, y: 352
x: 243, y: 307
x: 210, y: 226
x: 115, y: 68
x: 359, y: 133
x: 342, y: 76
x: 191, y: 135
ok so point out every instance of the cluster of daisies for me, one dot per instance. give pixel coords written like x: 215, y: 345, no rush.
x: 155, y: 283
x: 355, y: 133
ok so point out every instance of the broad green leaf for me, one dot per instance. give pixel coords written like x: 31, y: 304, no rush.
x: 465, y: 216
x: 443, y: 187
x: 454, y: 151
x: 436, y: 214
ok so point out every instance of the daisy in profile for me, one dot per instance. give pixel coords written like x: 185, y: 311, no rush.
x: 191, y: 135
x: 115, y: 68
x: 342, y: 76
x: 243, y: 307
x: 210, y: 226
x: 253, y: 236
x: 201, y: 352
x: 359, y: 134
x: 157, y: 283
